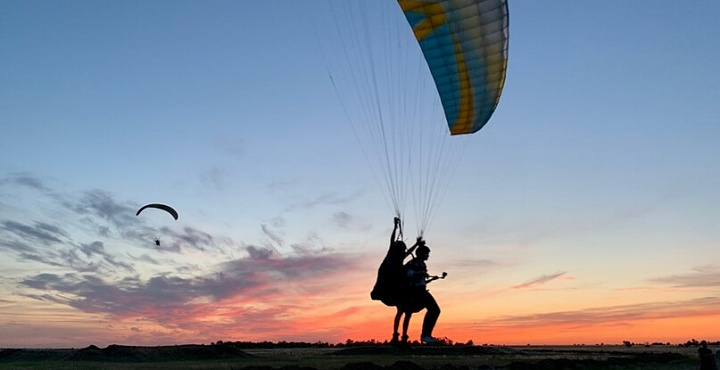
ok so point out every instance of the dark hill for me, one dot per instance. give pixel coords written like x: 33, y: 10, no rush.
x: 118, y: 353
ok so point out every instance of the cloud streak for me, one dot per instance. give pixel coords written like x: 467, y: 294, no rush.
x: 51, y: 245
x: 27, y: 180
x: 701, y: 277
x: 38, y: 232
x: 539, y: 280
x: 612, y: 315
x: 326, y: 199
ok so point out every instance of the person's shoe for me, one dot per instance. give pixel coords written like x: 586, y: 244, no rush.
x: 429, y: 340
x: 404, y: 339
x: 395, y: 339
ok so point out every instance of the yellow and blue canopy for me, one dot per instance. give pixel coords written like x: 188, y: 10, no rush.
x: 465, y: 43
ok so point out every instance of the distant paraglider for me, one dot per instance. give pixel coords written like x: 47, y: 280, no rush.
x: 163, y: 207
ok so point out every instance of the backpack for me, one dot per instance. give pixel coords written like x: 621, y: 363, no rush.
x: 391, y: 282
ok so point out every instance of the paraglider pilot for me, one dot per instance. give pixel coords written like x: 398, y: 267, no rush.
x: 391, y: 286
x: 419, y: 297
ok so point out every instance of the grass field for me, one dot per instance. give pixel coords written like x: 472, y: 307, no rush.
x: 226, y: 357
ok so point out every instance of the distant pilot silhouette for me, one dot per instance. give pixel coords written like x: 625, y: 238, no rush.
x: 157, y: 242
x: 707, y: 359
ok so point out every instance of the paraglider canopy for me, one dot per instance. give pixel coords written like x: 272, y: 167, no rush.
x: 465, y: 43
x: 163, y: 207
x: 413, y: 126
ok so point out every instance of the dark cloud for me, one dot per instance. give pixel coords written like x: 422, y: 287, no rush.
x: 342, y: 219
x: 47, y: 297
x: 101, y: 204
x: 72, y: 259
x: 272, y: 235
x: 346, y: 221
x: 289, y: 268
x: 26, y: 180
x: 51, y: 245
x: 42, y: 280
x: 37, y: 232
x: 26, y: 251
x: 190, y: 238
x: 260, y: 252
x: 539, y: 280
x: 16, y: 247
x: 101, y: 214
x: 51, y: 229
x: 158, y: 298
x: 113, y: 261
x: 94, y: 248
x: 700, y: 277
x: 30, y: 182
x: 97, y: 248
x: 313, y: 245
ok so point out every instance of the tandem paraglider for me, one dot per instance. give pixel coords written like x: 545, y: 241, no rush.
x: 413, y: 126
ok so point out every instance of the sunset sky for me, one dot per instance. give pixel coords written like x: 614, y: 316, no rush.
x: 586, y: 211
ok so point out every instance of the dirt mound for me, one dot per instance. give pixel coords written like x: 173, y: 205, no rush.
x: 118, y: 353
x: 423, y: 350
x: 188, y: 352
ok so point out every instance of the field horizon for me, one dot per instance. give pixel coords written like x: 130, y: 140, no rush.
x: 230, y: 355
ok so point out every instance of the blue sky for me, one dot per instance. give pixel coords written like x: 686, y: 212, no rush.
x: 593, y: 188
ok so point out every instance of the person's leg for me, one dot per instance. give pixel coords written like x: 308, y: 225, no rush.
x: 431, y: 315
x: 406, y: 324
x: 396, y: 325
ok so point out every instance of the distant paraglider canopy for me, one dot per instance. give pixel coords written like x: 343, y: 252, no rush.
x: 163, y: 207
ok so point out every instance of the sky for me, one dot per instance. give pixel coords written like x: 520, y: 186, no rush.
x: 585, y: 211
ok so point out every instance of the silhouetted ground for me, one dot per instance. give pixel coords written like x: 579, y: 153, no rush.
x: 227, y: 356
x: 424, y: 351
x: 117, y: 353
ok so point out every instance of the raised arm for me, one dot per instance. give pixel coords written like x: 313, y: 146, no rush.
x: 395, y: 229
x: 418, y: 242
